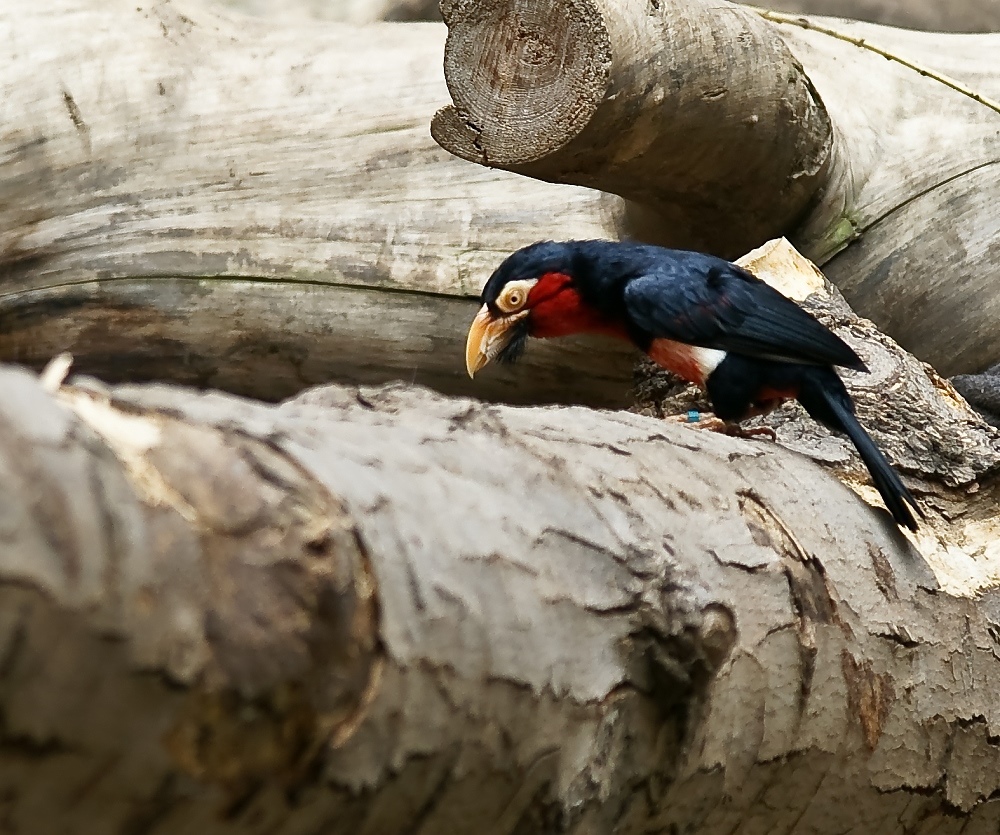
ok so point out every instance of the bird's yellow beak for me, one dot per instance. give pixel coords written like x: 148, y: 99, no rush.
x: 488, y: 336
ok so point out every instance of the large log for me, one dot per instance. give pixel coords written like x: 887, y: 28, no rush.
x: 380, y: 610
x: 878, y: 157
x: 686, y: 109
x: 233, y: 203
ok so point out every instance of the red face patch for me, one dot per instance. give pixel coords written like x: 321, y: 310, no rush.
x: 558, y: 310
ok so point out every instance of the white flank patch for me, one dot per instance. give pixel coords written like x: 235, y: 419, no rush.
x: 708, y: 359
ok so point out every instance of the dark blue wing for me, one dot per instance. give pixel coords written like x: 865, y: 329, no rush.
x: 711, y: 303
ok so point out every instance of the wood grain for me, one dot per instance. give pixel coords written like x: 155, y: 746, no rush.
x: 696, y: 110
x: 221, y: 201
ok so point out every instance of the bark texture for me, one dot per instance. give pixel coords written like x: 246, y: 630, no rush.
x: 879, y: 159
x: 221, y: 616
x: 232, y: 203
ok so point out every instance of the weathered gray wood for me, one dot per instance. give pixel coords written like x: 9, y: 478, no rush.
x: 232, y: 202
x: 275, y: 338
x: 910, y: 207
x: 373, y: 610
x: 342, y: 11
x: 903, y: 204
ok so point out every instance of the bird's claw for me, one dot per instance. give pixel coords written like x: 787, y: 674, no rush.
x: 716, y: 424
x: 738, y: 431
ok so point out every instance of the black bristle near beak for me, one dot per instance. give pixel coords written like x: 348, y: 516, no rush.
x: 512, y: 351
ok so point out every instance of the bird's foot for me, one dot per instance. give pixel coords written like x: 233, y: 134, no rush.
x: 738, y: 431
x: 696, y: 420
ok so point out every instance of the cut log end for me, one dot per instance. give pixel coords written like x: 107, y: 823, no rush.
x: 551, y: 61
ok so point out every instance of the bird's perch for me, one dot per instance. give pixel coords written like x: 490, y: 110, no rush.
x: 874, y: 149
x: 367, y: 608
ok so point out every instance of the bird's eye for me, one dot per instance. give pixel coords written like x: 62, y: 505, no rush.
x: 513, y: 297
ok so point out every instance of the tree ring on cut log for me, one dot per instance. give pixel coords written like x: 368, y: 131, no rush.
x: 526, y: 76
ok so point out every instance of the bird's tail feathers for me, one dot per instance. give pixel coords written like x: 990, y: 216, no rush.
x: 831, y: 405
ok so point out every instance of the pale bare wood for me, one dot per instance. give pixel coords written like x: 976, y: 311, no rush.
x: 907, y: 226
x: 275, y: 338
x: 226, y: 201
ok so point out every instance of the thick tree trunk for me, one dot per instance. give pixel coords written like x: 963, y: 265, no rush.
x: 878, y: 156
x: 377, y: 611
x: 226, y: 202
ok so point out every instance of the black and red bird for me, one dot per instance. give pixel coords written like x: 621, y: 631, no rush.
x: 705, y: 319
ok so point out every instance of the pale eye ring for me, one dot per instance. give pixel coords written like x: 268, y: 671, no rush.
x: 514, y: 297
